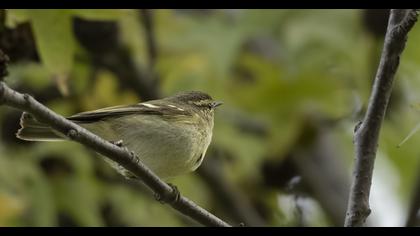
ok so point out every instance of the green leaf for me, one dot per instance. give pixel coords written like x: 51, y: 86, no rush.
x: 54, y: 39
x: 15, y: 16
x: 21, y: 178
x: 99, y: 14
x: 53, y: 35
x: 33, y: 74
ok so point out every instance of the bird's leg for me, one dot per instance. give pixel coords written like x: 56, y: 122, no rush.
x: 170, y: 198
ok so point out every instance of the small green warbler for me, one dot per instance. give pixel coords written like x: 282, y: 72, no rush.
x: 169, y: 135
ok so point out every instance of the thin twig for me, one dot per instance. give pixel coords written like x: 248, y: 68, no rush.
x: 367, y: 133
x: 118, y: 154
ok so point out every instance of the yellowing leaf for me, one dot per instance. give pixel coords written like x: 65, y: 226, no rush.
x: 10, y: 207
x: 62, y: 85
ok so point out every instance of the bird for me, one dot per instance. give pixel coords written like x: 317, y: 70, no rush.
x: 169, y: 135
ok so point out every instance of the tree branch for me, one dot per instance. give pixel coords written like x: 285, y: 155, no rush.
x: 120, y: 155
x: 367, y: 132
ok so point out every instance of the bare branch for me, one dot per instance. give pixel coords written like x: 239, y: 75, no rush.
x: 118, y: 154
x: 367, y: 134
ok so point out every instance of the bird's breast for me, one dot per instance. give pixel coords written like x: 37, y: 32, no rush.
x: 167, y: 148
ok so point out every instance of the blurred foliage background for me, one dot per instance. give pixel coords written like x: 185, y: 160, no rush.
x: 294, y: 84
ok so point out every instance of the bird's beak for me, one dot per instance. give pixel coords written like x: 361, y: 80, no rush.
x: 216, y: 104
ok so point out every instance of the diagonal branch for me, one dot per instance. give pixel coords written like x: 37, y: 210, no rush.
x: 120, y: 155
x: 367, y: 132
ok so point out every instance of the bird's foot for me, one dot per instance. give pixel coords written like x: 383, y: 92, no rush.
x: 170, y: 198
x: 119, y: 143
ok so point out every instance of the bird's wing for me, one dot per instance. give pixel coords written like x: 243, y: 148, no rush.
x: 147, y: 108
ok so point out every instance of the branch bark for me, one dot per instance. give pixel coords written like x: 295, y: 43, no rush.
x: 367, y: 132
x: 120, y: 155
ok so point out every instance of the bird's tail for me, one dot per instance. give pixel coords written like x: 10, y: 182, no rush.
x: 33, y: 130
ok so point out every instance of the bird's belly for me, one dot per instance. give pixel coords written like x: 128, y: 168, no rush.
x: 167, y: 156
x: 167, y: 149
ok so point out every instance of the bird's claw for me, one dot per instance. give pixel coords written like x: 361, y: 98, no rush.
x: 173, y: 197
x: 119, y: 143
x: 176, y: 193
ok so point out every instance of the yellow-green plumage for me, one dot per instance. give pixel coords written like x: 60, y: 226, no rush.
x: 170, y: 135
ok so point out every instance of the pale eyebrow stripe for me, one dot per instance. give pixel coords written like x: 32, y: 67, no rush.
x: 149, y: 105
